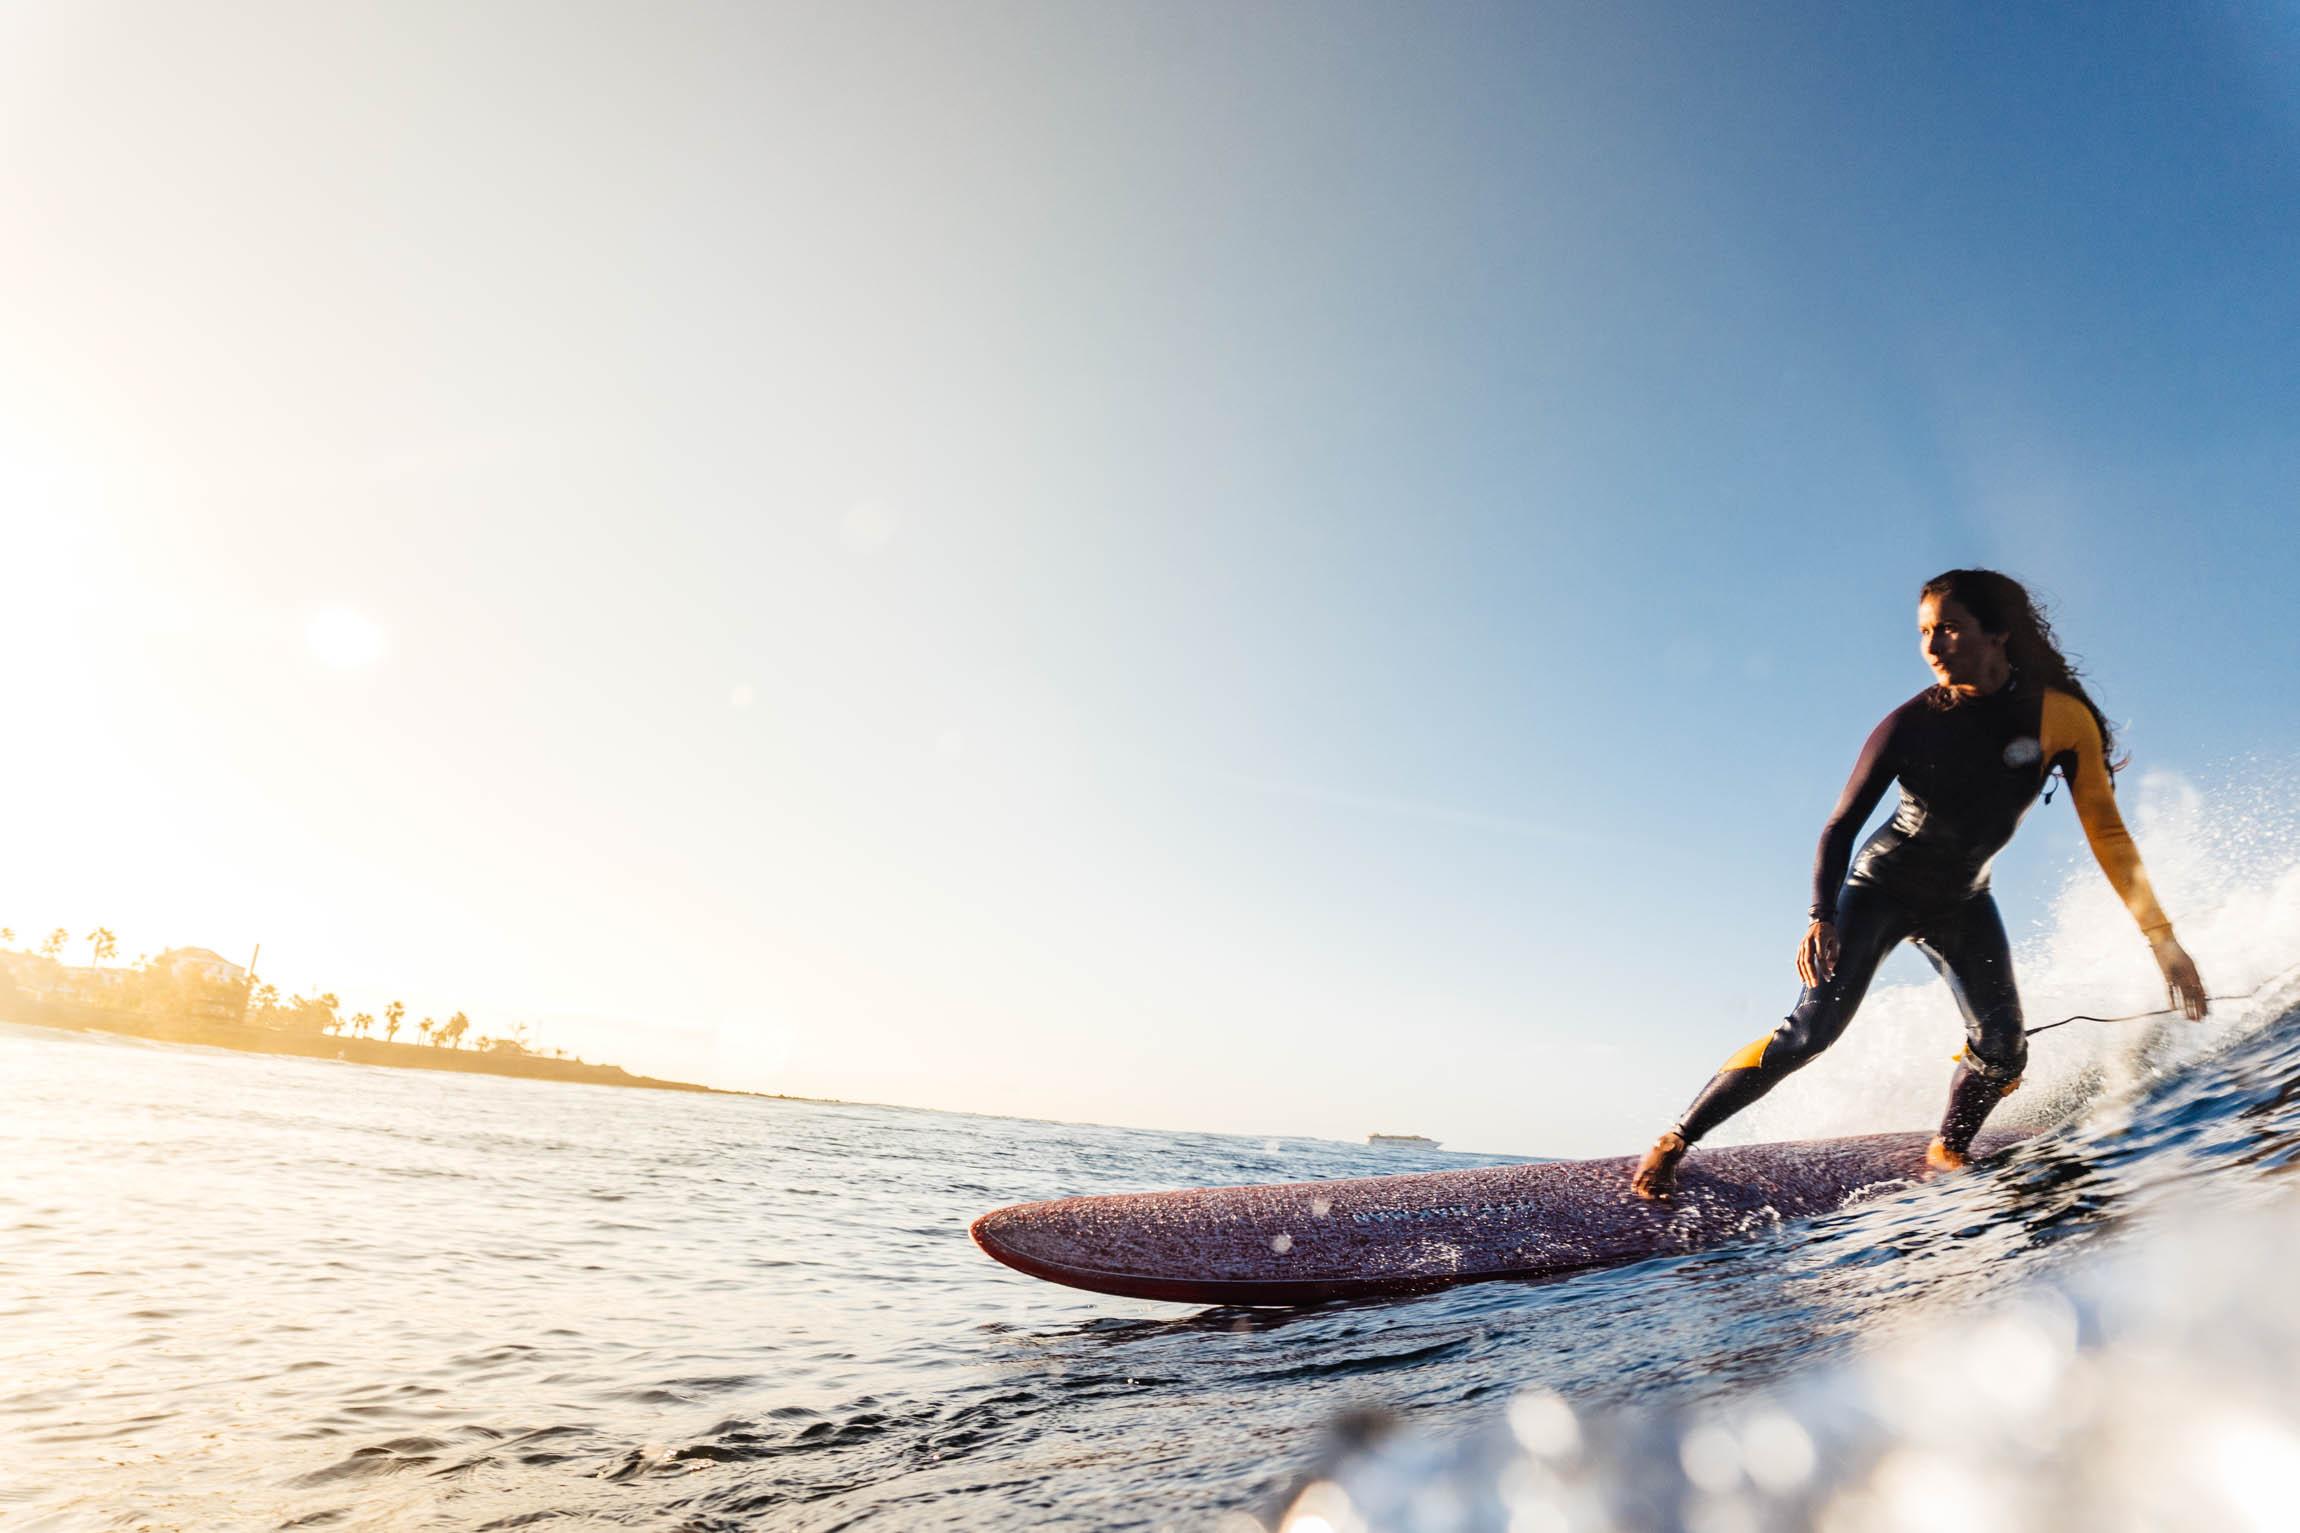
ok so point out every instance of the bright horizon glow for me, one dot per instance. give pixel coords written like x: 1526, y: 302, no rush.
x: 1280, y: 571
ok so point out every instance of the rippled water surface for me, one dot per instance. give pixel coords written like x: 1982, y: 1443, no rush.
x: 243, y: 1291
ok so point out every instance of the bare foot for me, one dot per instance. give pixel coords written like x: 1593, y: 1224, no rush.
x: 1941, y: 1158
x: 1656, y: 1175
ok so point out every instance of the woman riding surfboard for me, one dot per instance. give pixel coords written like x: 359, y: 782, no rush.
x: 1971, y: 753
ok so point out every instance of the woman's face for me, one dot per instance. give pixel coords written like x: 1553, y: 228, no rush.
x: 1964, y: 657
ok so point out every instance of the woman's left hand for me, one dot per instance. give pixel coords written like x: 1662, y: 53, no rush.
x: 2181, y: 981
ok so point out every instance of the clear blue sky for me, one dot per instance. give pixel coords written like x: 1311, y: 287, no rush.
x: 1289, y: 568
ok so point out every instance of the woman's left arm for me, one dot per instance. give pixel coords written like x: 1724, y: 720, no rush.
x: 2069, y: 733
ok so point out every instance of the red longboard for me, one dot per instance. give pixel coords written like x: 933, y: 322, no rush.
x: 1303, y: 1242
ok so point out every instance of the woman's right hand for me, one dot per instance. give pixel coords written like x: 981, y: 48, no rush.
x: 1817, y: 954
x: 2182, y: 983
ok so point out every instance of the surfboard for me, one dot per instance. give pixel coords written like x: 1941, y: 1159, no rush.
x: 1307, y: 1242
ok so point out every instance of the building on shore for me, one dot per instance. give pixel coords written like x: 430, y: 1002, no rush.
x: 193, y: 981
x: 206, y: 983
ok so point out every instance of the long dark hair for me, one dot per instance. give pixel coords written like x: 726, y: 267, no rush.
x: 2003, y: 606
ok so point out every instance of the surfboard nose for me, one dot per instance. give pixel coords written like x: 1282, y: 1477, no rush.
x: 986, y: 1229
x: 1006, y: 1235
x: 1009, y: 1231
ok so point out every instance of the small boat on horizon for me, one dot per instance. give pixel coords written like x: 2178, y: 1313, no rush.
x: 1422, y: 1140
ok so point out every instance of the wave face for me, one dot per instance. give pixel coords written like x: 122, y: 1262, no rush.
x: 2156, y: 1386
x: 243, y: 1291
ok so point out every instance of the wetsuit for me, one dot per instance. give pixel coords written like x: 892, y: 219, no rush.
x: 1969, y: 767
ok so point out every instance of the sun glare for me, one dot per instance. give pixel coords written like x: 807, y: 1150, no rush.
x: 343, y: 640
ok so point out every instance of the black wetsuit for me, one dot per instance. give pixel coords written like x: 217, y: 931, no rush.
x: 1969, y: 768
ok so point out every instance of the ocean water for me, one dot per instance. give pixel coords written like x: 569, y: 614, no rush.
x: 249, y: 1292
x: 253, y: 1292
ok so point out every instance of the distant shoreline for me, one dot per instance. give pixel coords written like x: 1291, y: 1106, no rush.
x: 252, y: 1038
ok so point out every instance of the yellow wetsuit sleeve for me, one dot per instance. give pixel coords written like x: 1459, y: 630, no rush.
x: 2070, y: 736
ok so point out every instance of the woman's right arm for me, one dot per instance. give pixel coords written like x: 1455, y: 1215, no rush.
x: 1873, y: 772
x: 2073, y: 739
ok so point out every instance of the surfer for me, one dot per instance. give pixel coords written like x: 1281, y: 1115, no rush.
x: 1971, y: 753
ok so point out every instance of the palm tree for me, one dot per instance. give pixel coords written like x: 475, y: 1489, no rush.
x: 457, y: 1026
x: 427, y: 1027
x: 392, y: 1015
x: 102, y: 945
x: 390, y: 1028
x: 55, y: 942
x: 361, y: 1022
x: 266, y: 997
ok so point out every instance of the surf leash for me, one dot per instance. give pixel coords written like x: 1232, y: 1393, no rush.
x: 2165, y: 1011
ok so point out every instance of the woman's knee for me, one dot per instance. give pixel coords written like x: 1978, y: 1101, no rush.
x: 1802, y: 1036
